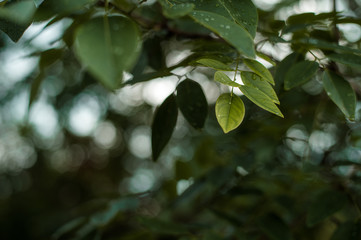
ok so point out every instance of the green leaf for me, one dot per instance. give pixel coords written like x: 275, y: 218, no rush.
x: 230, y: 31
x: 265, y: 57
x: 253, y: 80
x: 284, y: 66
x: 13, y: 30
x: 221, y: 77
x: 260, y: 99
x: 173, y: 10
x: 300, y: 73
x: 348, y: 231
x: 214, y: 64
x: 244, y: 13
x: 19, y: 12
x: 108, y: 46
x: 274, y: 227
x: 229, y: 111
x: 192, y: 103
x: 261, y: 70
x: 325, y: 204
x: 165, y: 119
x: 340, y: 92
x: 316, y: 43
x: 49, y: 8
x: 348, y: 59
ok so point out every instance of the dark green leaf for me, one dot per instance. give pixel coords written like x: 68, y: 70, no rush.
x: 221, y: 77
x: 340, y: 92
x: 19, y: 12
x: 346, y: 58
x: 284, y: 66
x: 244, y: 13
x: 162, y: 226
x: 261, y: 70
x: 192, y: 103
x: 13, y: 30
x: 108, y: 46
x: 214, y: 64
x: 348, y: 231
x: 174, y: 10
x: 165, y: 119
x: 300, y: 73
x: 325, y: 204
x: 253, y: 80
x: 233, y: 33
x: 229, y: 111
x: 49, y: 8
x: 260, y: 99
x: 274, y: 227
x: 316, y: 43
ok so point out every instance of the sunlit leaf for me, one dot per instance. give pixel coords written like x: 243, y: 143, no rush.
x: 260, y: 99
x: 325, y: 204
x: 261, y: 70
x: 107, y: 47
x: 165, y: 119
x: 346, y: 58
x: 244, y: 13
x: 171, y: 9
x: 253, y: 80
x: 230, y: 31
x: 221, y: 77
x: 192, y: 102
x: 274, y: 227
x: 340, y: 92
x: 214, y: 64
x: 300, y: 73
x: 229, y: 111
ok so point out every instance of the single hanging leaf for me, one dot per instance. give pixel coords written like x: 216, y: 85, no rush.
x: 221, y: 77
x: 274, y: 227
x: 174, y: 10
x: 261, y: 70
x: 192, y: 103
x: 214, y: 64
x: 165, y: 119
x: 253, y: 80
x: 244, y: 13
x: 348, y: 59
x: 229, y: 111
x: 341, y: 93
x: 230, y: 31
x: 300, y: 73
x: 260, y: 99
x: 325, y: 204
x: 108, y: 46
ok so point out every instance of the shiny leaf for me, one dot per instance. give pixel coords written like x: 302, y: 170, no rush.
x: 229, y: 111
x: 221, y: 77
x: 165, y: 119
x: 300, y: 73
x: 261, y: 70
x: 340, y: 92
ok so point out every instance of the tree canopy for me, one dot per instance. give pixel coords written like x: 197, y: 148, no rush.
x: 180, y: 119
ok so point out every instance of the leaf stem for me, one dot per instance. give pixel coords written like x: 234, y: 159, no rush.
x: 235, y: 73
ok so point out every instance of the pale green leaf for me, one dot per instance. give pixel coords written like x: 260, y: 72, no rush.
x: 107, y: 47
x: 244, y: 13
x: 261, y: 70
x: 348, y: 59
x: 212, y: 63
x: 221, y: 77
x: 229, y: 111
x: 265, y: 57
x: 300, y: 73
x: 340, y: 92
x: 230, y: 31
x: 18, y: 12
x: 260, y: 99
x: 253, y: 80
x: 174, y: 10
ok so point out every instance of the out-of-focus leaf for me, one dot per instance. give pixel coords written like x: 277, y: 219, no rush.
x: 321, y: 44
x: 221, y: 77
x: 244, y: 13
x: 49, y: 8
x: 283, y: 67
x: 265, y: 57
x: 274, y: 227
x: 253, y: 80
x: 229, y: 111
x: 175, y: 10
x: 19, y: 12
x: 108, y: 46
x: 260, y: 99
x: 50, y: 56
x: 348, y: 59
x: 325, y: 204
x: 162, y: 226
x: 192, y: 103
x: 214, y: 64
x: 165, y: 118
x: 340, y: 92
x: 233, y: 33
x: 13, y: 30
x: 348, y: 231
x: 68, y: 227
x: 300, y: 73
x: 261, y: 70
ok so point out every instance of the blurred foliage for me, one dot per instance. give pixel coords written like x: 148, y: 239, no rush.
x: 114, y: 113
